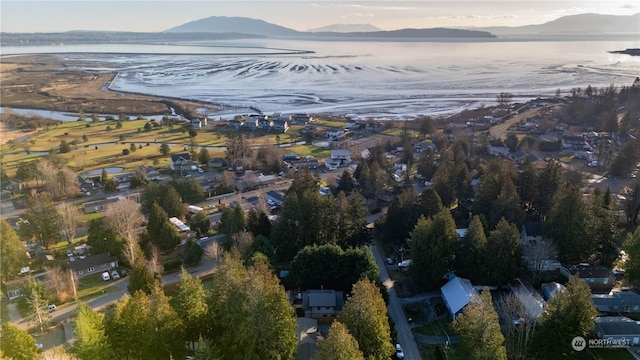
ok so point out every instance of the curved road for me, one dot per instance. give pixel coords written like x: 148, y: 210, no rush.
x: 405, y: 335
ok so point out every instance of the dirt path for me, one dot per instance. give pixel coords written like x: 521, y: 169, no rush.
x: 498, y: 131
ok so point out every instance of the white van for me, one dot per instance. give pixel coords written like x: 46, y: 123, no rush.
x: 51, y: 308
x: 105, y: 276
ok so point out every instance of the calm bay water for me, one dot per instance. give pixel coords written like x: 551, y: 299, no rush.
x: 365, y: 79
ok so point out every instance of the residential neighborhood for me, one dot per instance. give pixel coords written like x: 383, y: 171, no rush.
x: 510, y: 214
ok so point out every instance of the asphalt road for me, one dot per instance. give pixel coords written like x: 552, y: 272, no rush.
x: 405, y: 335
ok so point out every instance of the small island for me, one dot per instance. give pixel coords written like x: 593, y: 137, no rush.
x: 632, y: 52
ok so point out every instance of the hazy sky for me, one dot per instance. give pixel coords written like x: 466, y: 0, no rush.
x: 154, y: 15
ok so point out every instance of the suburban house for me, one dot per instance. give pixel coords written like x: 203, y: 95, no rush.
x: 529, y: 298
x: 276, y: 196
x: 180, y: 162
x: 199, y: 123
x: 235, y: 123
x: 617, y: 328
x: 343, y: 157
x: 216, y: 163
x: 97, y: 206
x: 14, y: 287
x: 93, y: 264
x: 322, y: 303
x: 531, y: 233
x: 497, y: 148
x: 335, y: 134
x: 599, y: 278
x: 148, y: 172
x: 617, y: 302
x: 575, y: 143
x: 299, y: 118
x: 251, y: 123
x: 311, y: 164
x: 549, y: 290
x: 456, y: 294
x: 280, y: 125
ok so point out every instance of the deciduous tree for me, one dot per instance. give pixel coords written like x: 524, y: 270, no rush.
x: 70, y: 218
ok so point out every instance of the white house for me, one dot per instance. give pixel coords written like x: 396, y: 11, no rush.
x: 343, y: 157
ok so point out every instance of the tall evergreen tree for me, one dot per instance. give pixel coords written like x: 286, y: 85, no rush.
x: 471, y: 255
x: 503, y: 258
x: 568, y: 314
x: 479, y: 329
x: 43, y: 221
x: 192, y: 306
x: 12, y: 253
x: 365, y: 316
x: 570, y: 225
x: 339, y: 345
x: 433, y: 244
x: 91, y: 342
x: 16, y: 344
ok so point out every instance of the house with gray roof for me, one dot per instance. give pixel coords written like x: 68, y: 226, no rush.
x: 617, y: 302
x: 322, y: 303
x: 617, y: 328
x: 457, y: 293
x: 93, y: 264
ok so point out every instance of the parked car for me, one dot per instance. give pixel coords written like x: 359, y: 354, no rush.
x: 105, y: 276
x: 404, y: 264
x: 115, y: 275
x: 399, y: 352
x: 51, y: 307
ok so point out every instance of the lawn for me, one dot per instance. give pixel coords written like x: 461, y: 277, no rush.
x: 92, y: 285
x: 612, y: 354
x: 454, y: 352
x: 440, y: 327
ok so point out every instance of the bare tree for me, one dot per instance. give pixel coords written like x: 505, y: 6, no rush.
x: 60, y: 181
x: 243, y: 241
x: 154, y: 260
x: 61, y: 283
x: 214, y: 250
x: 516, y: 325
x: 70, y: 216
x: 125, y: 217
x: 538, y: 256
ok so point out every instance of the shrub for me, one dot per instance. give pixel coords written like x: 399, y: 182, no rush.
x: 172, y: 265
x: 125, y: 152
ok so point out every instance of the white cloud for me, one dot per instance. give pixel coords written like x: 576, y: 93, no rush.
x: 357, y: 15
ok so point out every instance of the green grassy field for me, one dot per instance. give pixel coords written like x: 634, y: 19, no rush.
x: 93, y: 146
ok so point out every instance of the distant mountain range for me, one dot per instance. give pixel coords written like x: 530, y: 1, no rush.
x: 216, y: 27
x: 343, y: 28
x: 221, y: 24
x: 582, y: 24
